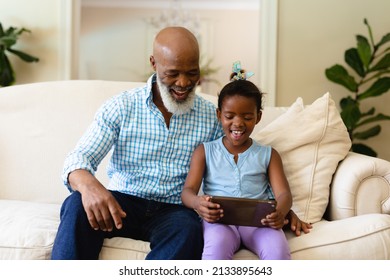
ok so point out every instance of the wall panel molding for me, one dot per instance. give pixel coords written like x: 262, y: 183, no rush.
x: 189, y: 4
x: 268, y: 49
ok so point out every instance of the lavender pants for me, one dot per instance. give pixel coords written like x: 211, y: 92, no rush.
x: 222, y: 241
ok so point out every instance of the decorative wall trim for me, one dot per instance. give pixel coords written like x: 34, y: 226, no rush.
x: 268, y: 48
x: 69, y: 25
x: 188, y: 4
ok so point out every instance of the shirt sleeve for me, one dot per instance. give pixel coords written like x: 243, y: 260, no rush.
x: 96, y: 141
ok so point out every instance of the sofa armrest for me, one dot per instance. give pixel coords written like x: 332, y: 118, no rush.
x: 360, y: 185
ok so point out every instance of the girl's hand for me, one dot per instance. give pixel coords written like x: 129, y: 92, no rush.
x: 297, y: 225
x: 209, y: 211
x: 274, y: 220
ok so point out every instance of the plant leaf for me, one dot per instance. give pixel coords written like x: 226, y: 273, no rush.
x: 377, y: 118
x: 365, y: 21
x: 7, y: 76
x: 385, y: 39
x: 363, y: 149
x: 364, y: 50
x: 352, y: 58
x: 381, y: 86
x: 369, y: 112
x: 350, y: 112
x: 7, y: 41
x: 24, y: 56
x: 10, y: 31
x: 13, y: 31
x: 21, y: 30
x: 382, y: 64
x: 338, y: 74
x: 371, y: 132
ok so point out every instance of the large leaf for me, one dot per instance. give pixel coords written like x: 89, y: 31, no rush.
x: 7, y: 76
x: 380, y: 87
x: 364, y: 50
x: 350, y: 112
x: 363, y: 149
x: 382, y: 64
x: 371, y: 132
x: 338, y: 74
x: 377, y: 118
x: 352, y: 58
x: 24, y: 56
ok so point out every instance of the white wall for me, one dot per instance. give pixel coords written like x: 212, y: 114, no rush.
x: 313, y: 36
x: 49, y: 39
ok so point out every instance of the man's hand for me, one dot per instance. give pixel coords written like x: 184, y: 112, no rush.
x: 103, y: 211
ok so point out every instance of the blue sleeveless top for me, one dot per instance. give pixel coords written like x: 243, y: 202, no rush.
x: 247, y: 178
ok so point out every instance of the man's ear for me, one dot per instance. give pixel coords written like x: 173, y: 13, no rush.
x: 152, y: 62
x: 259, y: 114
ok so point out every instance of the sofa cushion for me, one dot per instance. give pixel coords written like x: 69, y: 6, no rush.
x: 350, y: 238
x: 311, y: 141
x: 28, y: 229
x: 120, y: 248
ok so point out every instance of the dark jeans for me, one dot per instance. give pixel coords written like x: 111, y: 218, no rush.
x: 174, y: 231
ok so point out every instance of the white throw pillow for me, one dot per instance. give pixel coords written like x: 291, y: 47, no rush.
x: 311, y: 141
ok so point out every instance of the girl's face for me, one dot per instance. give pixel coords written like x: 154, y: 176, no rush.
x: 238, y: 116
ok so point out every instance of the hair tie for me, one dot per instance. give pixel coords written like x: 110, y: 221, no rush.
x: 238, y: 73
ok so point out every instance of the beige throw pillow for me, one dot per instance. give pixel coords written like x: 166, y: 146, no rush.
x: 311, y: 141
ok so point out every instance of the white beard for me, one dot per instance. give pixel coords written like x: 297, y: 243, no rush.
x: 173, y: 106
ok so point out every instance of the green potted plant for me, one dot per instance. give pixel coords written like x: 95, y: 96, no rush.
x: 8, y: 39
x: 370, y: 78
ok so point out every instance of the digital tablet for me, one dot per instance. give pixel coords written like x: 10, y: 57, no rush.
x: 244, y: 211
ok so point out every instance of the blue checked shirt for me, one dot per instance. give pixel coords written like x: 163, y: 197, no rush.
x: 149, y: 160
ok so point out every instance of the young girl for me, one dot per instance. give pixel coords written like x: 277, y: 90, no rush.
x: 235, y: 165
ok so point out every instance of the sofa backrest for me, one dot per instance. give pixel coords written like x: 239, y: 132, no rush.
x: 40, y: 124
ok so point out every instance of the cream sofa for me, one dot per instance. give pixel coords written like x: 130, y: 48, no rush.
x: 40, y: 123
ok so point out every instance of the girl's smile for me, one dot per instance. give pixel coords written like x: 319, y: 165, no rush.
x: 236, y: 134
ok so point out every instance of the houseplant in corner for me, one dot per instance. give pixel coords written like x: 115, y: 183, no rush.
x: 8, y: 39
x: 370, y: 63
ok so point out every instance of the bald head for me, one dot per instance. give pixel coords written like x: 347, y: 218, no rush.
x: 175, y: 48
x: 177, y: 40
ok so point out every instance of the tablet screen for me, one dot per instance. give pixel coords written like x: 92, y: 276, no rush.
x: 244, y: 211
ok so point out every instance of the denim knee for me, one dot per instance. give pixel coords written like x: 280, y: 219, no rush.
x: 73, y: 206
